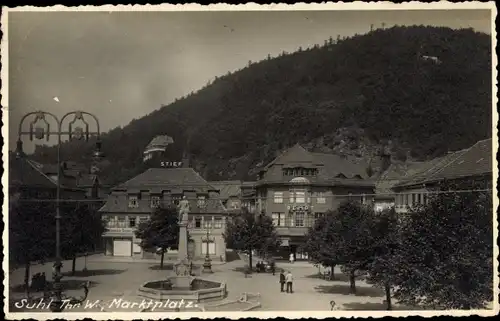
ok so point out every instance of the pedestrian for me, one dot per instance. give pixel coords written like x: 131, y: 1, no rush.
x: 289, y: 282
x: 282, y: 280
x: 292, y: 258
x: 273, y: 266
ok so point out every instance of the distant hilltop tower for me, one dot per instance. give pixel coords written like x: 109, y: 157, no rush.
x: 157, y: 147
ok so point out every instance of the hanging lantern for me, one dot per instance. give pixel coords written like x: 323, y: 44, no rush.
x: 78, y: 133
x: 39, y: 133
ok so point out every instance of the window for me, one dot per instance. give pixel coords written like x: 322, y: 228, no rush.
x: 300, y: 197
x: 292, y: 197
x: 176, y: 199
x: 207, y: 222
x: 142, y: 219
x: 201, y: 201
x: 121, y: 222
x: 299, y: 218
x: 234, y: 204
x: 155, y: 201
x: 197, y: 222
x: 278, y: 219
x: 210, y: 245
x: 133, y: 201
x: 131, y: 221
x: 317, y: 216
x: 320, y: 198
x: 217, y: 222
x: 278, y: 197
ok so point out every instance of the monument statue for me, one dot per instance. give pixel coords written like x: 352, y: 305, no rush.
x: 182, y: 266
x: 183, y: 209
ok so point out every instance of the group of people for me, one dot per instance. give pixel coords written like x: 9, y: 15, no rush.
x: 286, y: 279
x: 262, y: 266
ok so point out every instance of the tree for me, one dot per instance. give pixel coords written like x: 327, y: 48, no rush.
x: 247, y: 232
x: 31, y: 234
x: 81, y: 228
x: 354, y: 248
x: 321, y: 241
x: 386, y: 243
x: 160, y: 232
x: 446, y: 255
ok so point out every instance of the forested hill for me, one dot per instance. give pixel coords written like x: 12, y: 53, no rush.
x: 417, y: 91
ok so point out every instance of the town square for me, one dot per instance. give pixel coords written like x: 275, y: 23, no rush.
x: 286, y: 161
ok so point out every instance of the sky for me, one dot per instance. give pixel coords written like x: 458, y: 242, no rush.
x: 123, y: 65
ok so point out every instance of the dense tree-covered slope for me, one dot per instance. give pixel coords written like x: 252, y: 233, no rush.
x: 425, y: 90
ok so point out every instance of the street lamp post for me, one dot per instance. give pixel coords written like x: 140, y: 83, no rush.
x: 207, y: 265
x: 76, y: 133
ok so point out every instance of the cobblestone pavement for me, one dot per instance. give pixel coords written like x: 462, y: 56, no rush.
x: 114, y: 280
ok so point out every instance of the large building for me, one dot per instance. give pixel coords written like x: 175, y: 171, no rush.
x: 133, y: 202
x: 299, y: 186
x: 474, y: 164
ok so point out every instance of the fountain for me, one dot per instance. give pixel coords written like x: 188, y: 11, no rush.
x: 183, y: 285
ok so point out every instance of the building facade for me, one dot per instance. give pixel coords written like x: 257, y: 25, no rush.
x: 134, y: 201
x: 299, y: 186
x: 229, y: 194
x: 474, y: 164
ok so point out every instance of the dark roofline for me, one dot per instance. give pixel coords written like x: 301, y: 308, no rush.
x: 50, y: 179
x: 422, y: 179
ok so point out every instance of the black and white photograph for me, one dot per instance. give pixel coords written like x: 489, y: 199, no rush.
x: 307, y: 160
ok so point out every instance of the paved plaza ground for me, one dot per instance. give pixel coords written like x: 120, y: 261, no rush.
x: 112, y: 279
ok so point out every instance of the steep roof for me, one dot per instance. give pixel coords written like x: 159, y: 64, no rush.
x: 333, y: 165
x: 294, y: 155
x: 173, y: 179
x: 473, y: 161
x: 227, y: 189
x: 28, y: 173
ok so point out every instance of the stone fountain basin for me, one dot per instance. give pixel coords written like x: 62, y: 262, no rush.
x: 199, y: 289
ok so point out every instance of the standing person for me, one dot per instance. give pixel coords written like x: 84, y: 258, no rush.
x: 289, y: 282
x: 292, y: 258
x: 282, y: 280
x: 273, y: 266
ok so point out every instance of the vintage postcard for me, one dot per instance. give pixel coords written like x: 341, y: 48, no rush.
x: 307, y: 160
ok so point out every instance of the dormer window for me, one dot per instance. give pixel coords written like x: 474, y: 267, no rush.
x: 155, y: 201
x: 201, y: 201
x: 133, y: 201
x: 176, y: 199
